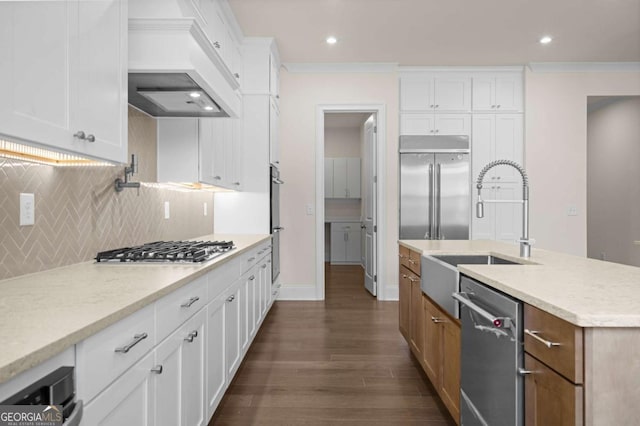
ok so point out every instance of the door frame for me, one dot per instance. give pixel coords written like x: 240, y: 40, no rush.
x: 380, y: 111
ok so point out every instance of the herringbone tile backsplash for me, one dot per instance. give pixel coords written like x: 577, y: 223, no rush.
x: 78, y: 212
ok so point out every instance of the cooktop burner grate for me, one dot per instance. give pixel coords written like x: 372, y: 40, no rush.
x: 168, y: 251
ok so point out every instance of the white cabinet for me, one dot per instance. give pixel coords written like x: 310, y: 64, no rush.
x: 215, y: 139
x: 233, y: 327
x: 345, y: 243
x: 274, y: 141
x: 435, y: 92
x: 192, y: 389
x: 344, y: 181
x: 53, y: 85
x: 498, y: 92
x: 501, y: 221
x: 435, y: 124
x: 497, y: 137
x: 169, y: 354
x: 216, y: 382
x: 128, y: 401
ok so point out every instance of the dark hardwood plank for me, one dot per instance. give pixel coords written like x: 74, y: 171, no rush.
x: 337, y: 362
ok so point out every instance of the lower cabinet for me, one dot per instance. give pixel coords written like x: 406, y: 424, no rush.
x: 232, y: 314
x: 416, y: 325
x: 216, y: 374
x: 404, y: 306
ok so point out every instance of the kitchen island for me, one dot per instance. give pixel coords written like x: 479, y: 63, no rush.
x: 595, y: 303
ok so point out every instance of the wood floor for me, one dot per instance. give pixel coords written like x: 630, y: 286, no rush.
x: 337, y: 362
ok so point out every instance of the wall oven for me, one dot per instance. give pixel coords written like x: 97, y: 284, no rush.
x: 275, y: 222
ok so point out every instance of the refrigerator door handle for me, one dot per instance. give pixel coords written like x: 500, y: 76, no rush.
x: 438, y: 230
x: 430, y: 228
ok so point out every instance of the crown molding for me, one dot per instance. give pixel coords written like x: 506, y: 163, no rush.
x: 584, y: 67
x: 342, y: 67
x: 421, y: 69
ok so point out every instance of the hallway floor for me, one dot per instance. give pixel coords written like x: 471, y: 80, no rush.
x: 337, y: 362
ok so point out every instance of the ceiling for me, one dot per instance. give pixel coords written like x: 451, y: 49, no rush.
x: 446, y: 32
x: 345, y: 120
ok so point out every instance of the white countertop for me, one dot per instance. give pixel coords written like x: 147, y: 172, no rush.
x: 44, y: 313
x: 585, y: 292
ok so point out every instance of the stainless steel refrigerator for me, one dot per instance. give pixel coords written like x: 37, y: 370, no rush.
x: 434, y: 188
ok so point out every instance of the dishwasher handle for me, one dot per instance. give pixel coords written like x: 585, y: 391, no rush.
x: 498, y: 322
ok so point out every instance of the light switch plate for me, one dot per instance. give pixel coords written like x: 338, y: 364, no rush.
x: 167, y: 210
x: 27, y: 209
x: 309, y: 209
x: 572, y: 210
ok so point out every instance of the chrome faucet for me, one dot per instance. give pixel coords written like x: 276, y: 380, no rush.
x: 129, y: 171
x: 525, y: 242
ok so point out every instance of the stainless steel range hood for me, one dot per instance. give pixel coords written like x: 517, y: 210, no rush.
x: 175, y: 71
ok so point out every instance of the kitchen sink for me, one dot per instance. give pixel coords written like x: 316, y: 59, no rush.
x: 440, y: 276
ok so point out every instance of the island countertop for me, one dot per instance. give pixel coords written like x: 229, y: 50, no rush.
x: 44, y: 313
x: 582, y: 291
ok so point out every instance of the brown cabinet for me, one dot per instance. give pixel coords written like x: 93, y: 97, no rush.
x: 441, y: 354
x: 416, y: 323
x: 404, y: 306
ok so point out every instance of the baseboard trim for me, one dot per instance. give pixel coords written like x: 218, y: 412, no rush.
x: 297, y: 293
x: 392, y: 293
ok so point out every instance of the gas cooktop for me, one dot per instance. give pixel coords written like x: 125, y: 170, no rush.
x: 168, y: 251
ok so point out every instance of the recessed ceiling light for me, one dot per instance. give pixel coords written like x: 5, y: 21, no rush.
x: 208, y: 108
x: 194, y: 94
x: 545, y: 40
x: 332, y: 40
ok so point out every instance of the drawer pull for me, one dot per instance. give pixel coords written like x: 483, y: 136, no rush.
x: 401, y: 256
x: 264, y: 266
x: 436, y: 320
x: 157, y: 369
x: 534, y: 334
x: 190, y: 302
x: 523, y: 372
x: 413, y: 262
x: 191, y: 336
x: 136, y: 339
x: 231, y: 298
x: 275, y: 292
x: 252, y: 277
x: 251, y: 259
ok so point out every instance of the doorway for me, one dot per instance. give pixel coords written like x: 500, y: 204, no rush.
x: 348, y: 186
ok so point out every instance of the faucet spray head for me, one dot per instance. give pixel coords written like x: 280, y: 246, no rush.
x: 479, y: 204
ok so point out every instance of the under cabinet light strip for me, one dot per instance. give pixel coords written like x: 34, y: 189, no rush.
x: 32, y: 154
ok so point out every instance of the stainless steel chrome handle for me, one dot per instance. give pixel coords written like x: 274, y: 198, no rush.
x: 497, y: 106
x: 264, y: 266
x: 413, y: 262
x: 157, y: 369
x: 430, y: 224
x: 191, y: 336
x: 401, y: 256
x: 216, y: 44
x: 438, y: 235
x: 437, y: 106
x: 252, y: 277
x: 410, y: 278
x: 231, y: 298
x: 498, y: 322
x: 80, y: 135
x: 275, y: 292
x: 190, y: 302
x: 545, y: 342
x: 363, y: 226
x: 217, y: 177
x: 278, y: 229
x: 236, y: 183
x: 277, y: 181
x: 437, y: 320
x: 523, y: 372
x: 277, y: 97
x: 137, y: 338
x: 251, y: 259
x: 236, y: 75
x: 91, y: 138
x: 405, y: 276
x: 430, y: 106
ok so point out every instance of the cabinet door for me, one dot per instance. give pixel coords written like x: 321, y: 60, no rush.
x: 354, y: 245
x: 453, y: 124
x: 232, y: 331
x: 192, y: 390
x: 339, y: 246
x: 206, y: 149
x: 274, y: 76
x: 508, y: 216
x: 237, y: 62
x: 416, y: 325
x: 257, y: 297
x: 550, y: 399
x: 508, y: 92
x: 216, y: 368
x: 328, y: 178
x: 485, y: 228
x: 35, y: 53
x: 265, y: 283
x: 450, y: 388
x: 250, y: 295
x: 218, y: 31
x: 353, y: 178
x: 417, y: 124
x: 483, y: 146
x: 128, y: 401
x: 452, y: 93
x: 99, y: 78
x: 274, y: 142
x: 431, y: 344
x: 167, y: 384
x: 484, y: 93
x: 237, y: 152
x: 508, y: 145
x: 404, y: 303
x: 339, y: 178
x: 222, y: 137
x: 416, y: 94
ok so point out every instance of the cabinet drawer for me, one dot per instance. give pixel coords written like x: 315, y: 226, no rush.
x: 404, y: 256
x: 103, y: 357
x: 219, y: 279
x: 414, y: 262
x: 177, y: 307
x: 251, y: 258
x: 550, y: 399
x: 557, y: 343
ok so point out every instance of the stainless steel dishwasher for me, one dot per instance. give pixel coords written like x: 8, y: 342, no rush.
x: 491, y: 385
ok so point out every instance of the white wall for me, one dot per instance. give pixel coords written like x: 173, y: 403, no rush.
x: 300, y: 94
x: 556, y: 151
x: 613, y: 181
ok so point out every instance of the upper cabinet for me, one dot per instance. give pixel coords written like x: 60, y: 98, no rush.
x: 63, y: 76
x: 435, y: 92
x: 261, y: 67
x: 344, y: 181
x: 498, y: 92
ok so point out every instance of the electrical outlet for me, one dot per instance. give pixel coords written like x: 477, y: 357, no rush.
x: 167, y: 210
x: 572, y: 210
x: 27, y: 209
x: 204, y: 211
x: 309, y: 209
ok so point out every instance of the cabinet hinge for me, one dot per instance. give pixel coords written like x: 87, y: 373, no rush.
x: 375, y: 278
x: 375, y: 129
x: 375, y: 228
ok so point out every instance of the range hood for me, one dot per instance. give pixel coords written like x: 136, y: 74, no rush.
x: 175, y: 71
